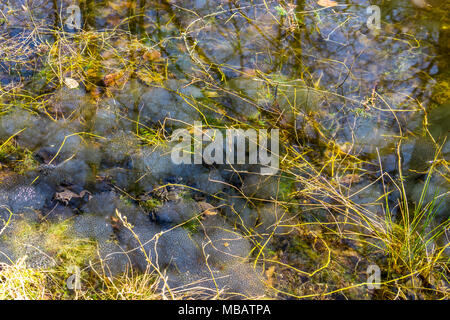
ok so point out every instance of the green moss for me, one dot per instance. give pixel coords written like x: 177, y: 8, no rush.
x: 126, y: 200
x: 285, y: 186
x: 192, y: 226
x: 151, y: 204
x: 19, y: 159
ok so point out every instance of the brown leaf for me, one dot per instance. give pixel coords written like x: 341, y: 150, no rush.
x: 351, y: 178
x: 111, y: 79
x: 249, y: 72
x: 269, y: 274
x: 206, y: 208
x: 152, y: 55
x: 115, y: 223
x: 96, y: 92
x: 116, y: 79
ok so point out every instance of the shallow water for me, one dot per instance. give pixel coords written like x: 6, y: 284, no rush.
x: 321, y: 75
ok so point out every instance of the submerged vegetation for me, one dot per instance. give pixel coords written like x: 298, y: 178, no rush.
x: 92, y: 207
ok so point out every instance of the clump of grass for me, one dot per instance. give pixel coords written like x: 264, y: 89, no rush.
x: 18, y: 282
x: 128, y: 286
x: 151, y: 204
x: 411, y: 260
x: 411, y: 241
x: 405, y: 247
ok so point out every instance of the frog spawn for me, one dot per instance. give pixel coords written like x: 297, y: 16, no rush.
x: 212, y: 256
x: 174, y: 250
x: 214, y: 259
x: 82, y: 179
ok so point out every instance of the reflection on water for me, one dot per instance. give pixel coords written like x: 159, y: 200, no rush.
x: 339, y: 90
